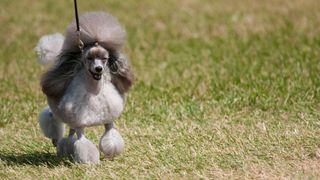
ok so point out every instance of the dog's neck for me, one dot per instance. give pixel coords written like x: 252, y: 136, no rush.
x: 93, y: 86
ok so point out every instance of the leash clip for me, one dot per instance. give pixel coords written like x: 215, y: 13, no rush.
x: 80, y: 43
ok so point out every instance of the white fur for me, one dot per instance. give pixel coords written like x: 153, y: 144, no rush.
x: 85, y: 151
x: 50, y: 127
x: 111, y: 143
x: 49, y: 47
x: 81, y: 108
x: 78, y: 98
x: 83, y: 105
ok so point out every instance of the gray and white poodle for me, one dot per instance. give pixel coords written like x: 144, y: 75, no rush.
x: 85, y: 87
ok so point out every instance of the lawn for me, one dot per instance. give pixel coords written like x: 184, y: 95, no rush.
x: 223, y: 89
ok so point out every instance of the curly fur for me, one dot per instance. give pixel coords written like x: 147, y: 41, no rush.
x: 48, y: 48
x: 50, y: 127
x: 77, y: 97
x: 95, y: 27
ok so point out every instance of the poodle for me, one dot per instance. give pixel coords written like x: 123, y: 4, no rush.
x: 85, y: 86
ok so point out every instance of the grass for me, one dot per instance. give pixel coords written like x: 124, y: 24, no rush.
x: 224, y: 89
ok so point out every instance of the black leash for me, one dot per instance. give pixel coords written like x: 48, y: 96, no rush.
x: 76, y: 14
x: 114, y: 67
x: 80, y: 43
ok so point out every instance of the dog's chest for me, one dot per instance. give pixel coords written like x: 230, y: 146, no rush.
x: 82, y: 108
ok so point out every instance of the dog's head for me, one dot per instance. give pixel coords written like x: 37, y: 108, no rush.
x: 96, y: 59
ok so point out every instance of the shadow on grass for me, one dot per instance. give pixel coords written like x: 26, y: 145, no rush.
x: 34, y: 159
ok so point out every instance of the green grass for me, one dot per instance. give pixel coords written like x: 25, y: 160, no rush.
x: 224, y: 89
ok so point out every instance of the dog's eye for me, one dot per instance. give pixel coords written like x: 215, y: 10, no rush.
x: 104, y: 59
x: 90, y: 58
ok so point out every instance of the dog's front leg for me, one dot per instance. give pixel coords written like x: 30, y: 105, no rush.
x: 111, y: 142
x: 84, y: 150
x: 65, y: 146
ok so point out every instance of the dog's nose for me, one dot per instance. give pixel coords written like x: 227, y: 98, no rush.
x: 98, y: 69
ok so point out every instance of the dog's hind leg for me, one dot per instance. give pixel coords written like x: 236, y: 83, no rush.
x: 51, y: 127
x: 111, y: 142
x: 84, y: 150
x: 65, y: 146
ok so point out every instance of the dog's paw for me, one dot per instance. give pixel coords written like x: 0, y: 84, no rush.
x: 65, y: 147
x: 111, y: 143
x: 85, y: 151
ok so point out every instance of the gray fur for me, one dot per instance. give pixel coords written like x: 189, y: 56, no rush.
x: 65, y: 146
x: 85, y: 151
x: 97, y: 27
x: 49, y: 47
x: 80, y: 95
x: 56, y: 80
x: 111, y: 143
x: 50, y: 127
x: 124, y: 78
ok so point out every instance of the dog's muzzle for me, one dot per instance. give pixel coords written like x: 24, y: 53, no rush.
x: 96, y: 75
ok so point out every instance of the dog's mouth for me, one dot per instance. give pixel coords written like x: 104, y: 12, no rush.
x: 95, y: 76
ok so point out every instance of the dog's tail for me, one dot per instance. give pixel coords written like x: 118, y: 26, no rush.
x: 49, y: 47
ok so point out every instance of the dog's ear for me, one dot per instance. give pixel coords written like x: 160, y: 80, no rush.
x: 121, y: 74
x: 56, y: 80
